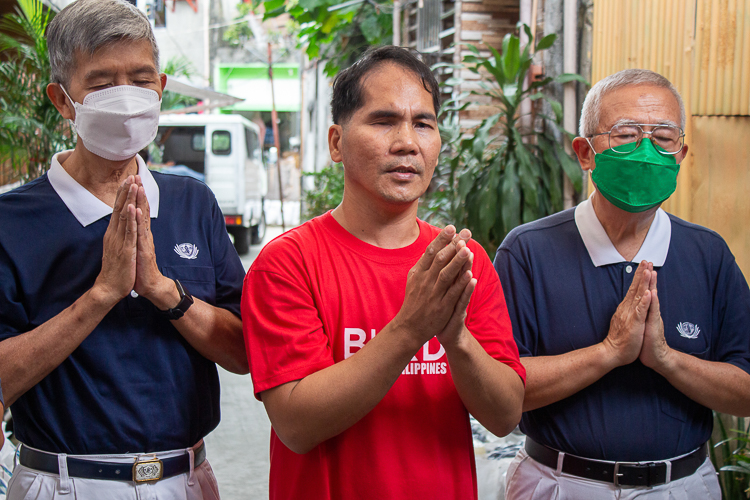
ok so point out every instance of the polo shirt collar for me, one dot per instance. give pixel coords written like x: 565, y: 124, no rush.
x: 601, y: 250
x: 86, y: 207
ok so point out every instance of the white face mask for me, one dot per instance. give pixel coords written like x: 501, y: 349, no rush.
x: 117, y: 122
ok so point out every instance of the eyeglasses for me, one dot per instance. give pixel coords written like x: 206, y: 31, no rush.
x: 626, y: 138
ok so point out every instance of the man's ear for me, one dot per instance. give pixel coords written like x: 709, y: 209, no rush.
x: 682, y: 154
x: 163, y: 79
x: 60, y: 101
x: 335, y: 138
x: 584, y: 153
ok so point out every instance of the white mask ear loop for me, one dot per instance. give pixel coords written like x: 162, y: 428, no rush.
x: 71, y: 102
x: 587, y: 141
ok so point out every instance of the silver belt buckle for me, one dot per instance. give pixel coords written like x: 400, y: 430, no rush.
x: 148, y: 470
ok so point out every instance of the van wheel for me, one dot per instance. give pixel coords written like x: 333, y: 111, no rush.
x: 258, y: 231
x: 241, y: 239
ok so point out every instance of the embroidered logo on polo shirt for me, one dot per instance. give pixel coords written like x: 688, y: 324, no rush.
x: 688, y: 330
x: 186, y: 250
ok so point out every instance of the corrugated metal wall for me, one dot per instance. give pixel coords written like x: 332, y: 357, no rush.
x: 703, y: 48
x: 722, y: 58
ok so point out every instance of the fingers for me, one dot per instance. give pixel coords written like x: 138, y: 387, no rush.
x: 463, y: 301
x: 438, y: 244
x: 459, y: 312
x: 654, y: 311
x: 450, y: 262
x: 642, y: 307
x: 122, y: 215
x: 142, y: 204
x: 120, y: 200
x: 637, y: 278
x: 131, y: 233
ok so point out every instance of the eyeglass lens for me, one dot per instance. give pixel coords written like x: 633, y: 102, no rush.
x: 626, y: 138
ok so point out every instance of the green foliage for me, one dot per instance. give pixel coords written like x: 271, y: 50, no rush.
x: 338, y: 36
x: 31, y: 129
x: 237, y: 34
x: 500, y: 175
x: 328, y: 191
x: 177, y: 66
x: 733, y: 451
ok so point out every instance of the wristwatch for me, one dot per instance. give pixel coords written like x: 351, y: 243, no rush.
x: 186, y: 300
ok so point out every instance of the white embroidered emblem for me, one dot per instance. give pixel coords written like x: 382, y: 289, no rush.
x: 186, y: 250
x: 688, y: 330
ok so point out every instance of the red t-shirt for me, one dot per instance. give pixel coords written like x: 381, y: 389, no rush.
x: 312, y: 298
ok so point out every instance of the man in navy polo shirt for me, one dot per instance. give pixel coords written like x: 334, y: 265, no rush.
x: 624, y: 369
x: 120, y: 289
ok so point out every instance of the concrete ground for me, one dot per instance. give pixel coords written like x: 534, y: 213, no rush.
x: 239, y: 447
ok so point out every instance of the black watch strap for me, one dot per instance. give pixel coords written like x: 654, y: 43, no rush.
x: 186, y: 300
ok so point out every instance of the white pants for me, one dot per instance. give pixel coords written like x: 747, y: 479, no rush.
x: 30, y: 484
x: 529, y: 480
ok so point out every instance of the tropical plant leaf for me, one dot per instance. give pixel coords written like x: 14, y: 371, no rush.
x: 571, y: 77
x: 546, y: 42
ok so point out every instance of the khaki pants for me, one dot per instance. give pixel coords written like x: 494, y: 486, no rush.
x: 30, y: 484
x: 529, y: 480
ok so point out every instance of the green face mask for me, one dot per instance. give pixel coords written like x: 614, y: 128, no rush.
x: 637, y: 181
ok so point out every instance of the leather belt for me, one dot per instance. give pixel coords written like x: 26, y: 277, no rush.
x: 620, y: 473
x: 148, y: 468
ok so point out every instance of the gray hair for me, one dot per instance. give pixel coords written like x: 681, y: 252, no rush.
x: 87, y: 25
x: 591, y: 110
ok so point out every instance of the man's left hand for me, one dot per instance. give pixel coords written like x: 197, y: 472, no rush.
x: 149, y: 281
x: 655, y: 353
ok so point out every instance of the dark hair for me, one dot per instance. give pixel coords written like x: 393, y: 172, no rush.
x: 347, y: 86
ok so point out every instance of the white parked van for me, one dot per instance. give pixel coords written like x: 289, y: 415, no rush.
x: 226, y: 151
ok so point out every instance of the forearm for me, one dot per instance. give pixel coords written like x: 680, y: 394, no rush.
x: 31, y: 356
x: 307, y: 412
x: 719, y: 386
x: 216, y: 333
x: 491, y: 391
x: 550, y: 379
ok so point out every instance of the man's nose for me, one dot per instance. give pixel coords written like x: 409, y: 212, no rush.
x: 405, y: 140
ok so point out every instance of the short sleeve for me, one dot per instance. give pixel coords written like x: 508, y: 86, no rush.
x: 488, y: 318
x: 733, y: 345
x: 284, y: 334
x: 228, y: 268
x: 517, y: 286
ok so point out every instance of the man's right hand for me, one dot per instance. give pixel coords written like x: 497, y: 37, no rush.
x: 627, y: 327
x: 117, y: 277
x: 434, y: 286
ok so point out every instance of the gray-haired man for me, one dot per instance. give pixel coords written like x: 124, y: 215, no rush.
x: 623, y: 372
x: 120, y: 288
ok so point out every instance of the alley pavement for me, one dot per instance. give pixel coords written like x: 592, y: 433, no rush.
x: 238, y: 448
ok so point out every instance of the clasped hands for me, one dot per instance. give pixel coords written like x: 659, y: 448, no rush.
x: 129, y: 258
x: 636, y: 330
x: 438, y: 289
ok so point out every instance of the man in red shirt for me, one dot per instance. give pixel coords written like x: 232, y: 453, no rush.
x: 371, y: 333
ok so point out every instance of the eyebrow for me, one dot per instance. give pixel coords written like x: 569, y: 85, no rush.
x: 394, y: 114
x: 103, y: 73
x: 626, y: 121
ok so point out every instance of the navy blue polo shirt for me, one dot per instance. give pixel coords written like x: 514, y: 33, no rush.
x: 134, y: 384
x: 563, y: 280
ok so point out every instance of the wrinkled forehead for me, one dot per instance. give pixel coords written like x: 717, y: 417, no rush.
x: 646, y: 104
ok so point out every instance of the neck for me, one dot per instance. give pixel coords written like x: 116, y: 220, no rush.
x: 627, y: 231
x: 100, y: 177
x: 393, y: 227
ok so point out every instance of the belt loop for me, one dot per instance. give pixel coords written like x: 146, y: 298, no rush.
x: 668, y: 479
x: 191, y: 478
x: 62, y: 465
x: 560, y: 458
